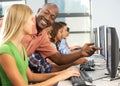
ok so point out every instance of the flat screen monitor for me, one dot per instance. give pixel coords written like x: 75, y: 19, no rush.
x: 113, y: 57
x: 96, y: 38
x: 102, y: 41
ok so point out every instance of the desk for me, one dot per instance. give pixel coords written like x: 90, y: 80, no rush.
x: 101, y: 82
x: 97, y: 75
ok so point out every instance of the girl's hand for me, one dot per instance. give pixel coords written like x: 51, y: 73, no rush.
x: 65, y: 74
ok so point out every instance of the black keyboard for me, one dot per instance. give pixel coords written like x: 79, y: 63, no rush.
x: 88, y: 66
x: 83, y: 80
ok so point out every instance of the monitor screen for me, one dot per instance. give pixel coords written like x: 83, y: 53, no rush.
x: 112, y: 51
x: 96, y: 38
x: 102, y: 41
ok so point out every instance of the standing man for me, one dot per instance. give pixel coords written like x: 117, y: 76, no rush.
x: 40, y: 43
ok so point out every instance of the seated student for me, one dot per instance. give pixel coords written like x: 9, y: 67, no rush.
x: 63, y: 46
x: 14, y: 71
x: 57, y: 32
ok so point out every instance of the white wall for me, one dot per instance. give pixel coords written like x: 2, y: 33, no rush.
x: 106, y: 12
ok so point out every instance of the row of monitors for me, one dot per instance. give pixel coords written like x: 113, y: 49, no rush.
x: 107, y: 38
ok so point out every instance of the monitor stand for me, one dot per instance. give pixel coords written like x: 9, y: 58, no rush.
x: 111, y: 79
x: 117, y: 76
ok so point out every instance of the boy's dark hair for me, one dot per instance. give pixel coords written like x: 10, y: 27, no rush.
x: 55, y: 27
x: 64, y: 24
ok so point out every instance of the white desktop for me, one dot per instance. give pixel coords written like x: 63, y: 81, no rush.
x: 99, y: 75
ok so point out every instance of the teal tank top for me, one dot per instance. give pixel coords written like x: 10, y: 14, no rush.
x: 22, y: 64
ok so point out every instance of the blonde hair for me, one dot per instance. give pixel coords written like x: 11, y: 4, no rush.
x: 15, y: 17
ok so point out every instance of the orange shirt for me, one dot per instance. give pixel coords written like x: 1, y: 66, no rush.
x: 39, y: 43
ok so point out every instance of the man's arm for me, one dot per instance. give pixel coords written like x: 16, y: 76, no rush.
x: 62, y: 59
x: 56, y: 68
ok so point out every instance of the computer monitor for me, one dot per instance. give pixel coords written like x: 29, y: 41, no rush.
x: 113, y: 57
x: 102, y: 41
x: 96, y: 38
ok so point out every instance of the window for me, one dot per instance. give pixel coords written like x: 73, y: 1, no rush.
x: 5, y: 3
x: 77, y: 15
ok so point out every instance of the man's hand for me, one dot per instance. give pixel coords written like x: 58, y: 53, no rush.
x: 88, y: 49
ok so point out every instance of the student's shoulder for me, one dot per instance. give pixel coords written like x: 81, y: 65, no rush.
x: 4, y: 48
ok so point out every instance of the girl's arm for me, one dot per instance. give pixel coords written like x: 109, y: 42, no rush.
x: 9, y: 65
x: 56, y: 77
x: 37, y: 77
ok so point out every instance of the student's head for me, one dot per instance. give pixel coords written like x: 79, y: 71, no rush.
x: 46, y: 16
x: 18, y: 19
x: 65, y: 32
x: 56, y: 32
